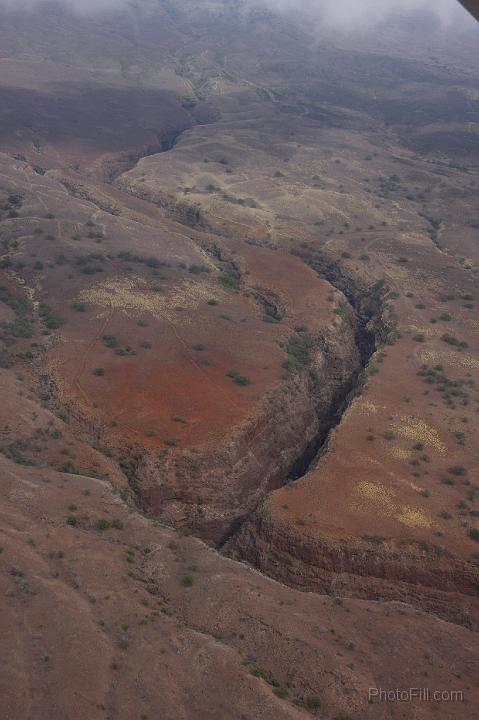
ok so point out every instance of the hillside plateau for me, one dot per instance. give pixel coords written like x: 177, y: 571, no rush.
x: 239, y: 362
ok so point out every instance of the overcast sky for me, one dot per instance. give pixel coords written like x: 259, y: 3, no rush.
x: 340, y: 14
x: 351, y: 13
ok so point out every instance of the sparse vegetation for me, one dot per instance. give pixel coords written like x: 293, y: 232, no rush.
x: 110, y: 341
x: 230, y: 278
x: 451, y: 340
x: 299, y: 349
x: 50, y: 318
x: 198, y: 269
x: 457, y: 470
x: 103, y: 524
x: 238, y: 378
x: 328, y: 272
x: 78, y: 306
x: 473, y: 534
x: 126, y: 350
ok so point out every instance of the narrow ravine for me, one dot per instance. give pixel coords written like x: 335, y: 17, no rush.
x: 114, y: 168
x: 367, y: 345
x: 224, y: 499
x: 284, y: 456
x: 366, y: 314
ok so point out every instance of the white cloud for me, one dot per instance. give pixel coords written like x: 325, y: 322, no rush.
x: 355, y: 14
x: 78, y: 5
x: 339, y: 14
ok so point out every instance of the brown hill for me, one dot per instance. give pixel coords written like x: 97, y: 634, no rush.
x: 238, y: 317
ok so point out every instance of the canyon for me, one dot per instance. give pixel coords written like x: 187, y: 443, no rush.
x: 239, y: 364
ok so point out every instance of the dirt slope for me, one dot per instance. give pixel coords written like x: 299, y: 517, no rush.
x: 239, y: 366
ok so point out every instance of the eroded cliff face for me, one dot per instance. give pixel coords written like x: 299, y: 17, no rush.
x: 329, y: 559
x: 368, y: 568
x: 212, y: 489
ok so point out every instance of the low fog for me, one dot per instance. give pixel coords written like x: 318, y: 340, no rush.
x: 351, y: 14
x: 343, y: 15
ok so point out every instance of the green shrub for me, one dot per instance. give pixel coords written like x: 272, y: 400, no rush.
x: 110, y: 341
x: 451, y: 340
x: 238, y: 379
x: 230, y: 279
x: 15, y: 199
x: 6, y: 360
x: 103, y: 524
x: 299, y: 349
x: 457, y: 470
x: 49, y: 317
x: 242, y: 380
x: 126, y: 350
x: 198, y: 269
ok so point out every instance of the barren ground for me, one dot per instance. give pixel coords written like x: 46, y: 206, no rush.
x: 239, y: 367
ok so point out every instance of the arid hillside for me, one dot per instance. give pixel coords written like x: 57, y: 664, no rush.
x: 239, y: 365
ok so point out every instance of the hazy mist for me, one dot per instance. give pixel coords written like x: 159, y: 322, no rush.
x: 344, y: 15
x: 351, y: 14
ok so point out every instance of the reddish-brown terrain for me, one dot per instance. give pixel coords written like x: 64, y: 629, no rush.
x: 239, y: 366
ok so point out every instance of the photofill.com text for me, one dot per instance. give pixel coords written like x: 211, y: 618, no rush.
x: 414, y: 695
